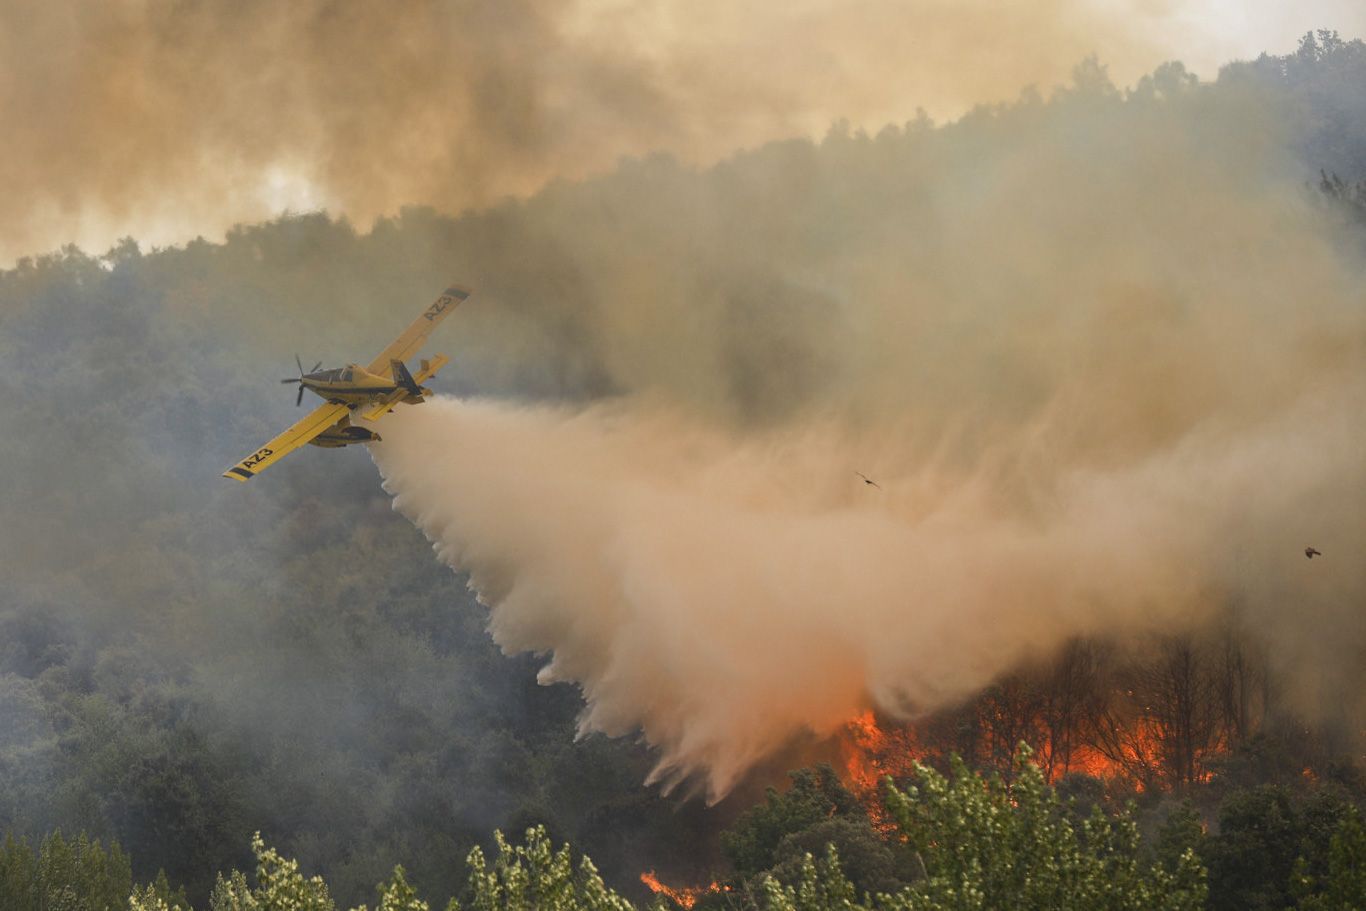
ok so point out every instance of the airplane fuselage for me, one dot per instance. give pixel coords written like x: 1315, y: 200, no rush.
x: 357, y: 388
x: 349, y: 385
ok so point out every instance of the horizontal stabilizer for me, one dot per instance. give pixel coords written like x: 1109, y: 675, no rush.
x: 426, y: 370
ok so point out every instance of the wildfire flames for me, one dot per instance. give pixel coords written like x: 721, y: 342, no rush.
x: 1130, y: 749
x: 1138, y: 756
x: 872, y: 753
x: 683, y: 896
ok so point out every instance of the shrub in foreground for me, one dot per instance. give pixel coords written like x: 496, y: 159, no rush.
x: 978, y: 843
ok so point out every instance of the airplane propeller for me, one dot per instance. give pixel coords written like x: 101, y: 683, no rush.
x: 300, y: 379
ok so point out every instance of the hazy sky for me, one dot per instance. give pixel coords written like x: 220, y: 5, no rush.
x: 163, y: 120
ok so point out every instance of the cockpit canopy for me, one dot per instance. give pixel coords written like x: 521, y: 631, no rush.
x: 345, y: 374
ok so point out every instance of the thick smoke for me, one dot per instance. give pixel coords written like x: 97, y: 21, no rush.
x: 165, y: 119
x: 1103, y: 359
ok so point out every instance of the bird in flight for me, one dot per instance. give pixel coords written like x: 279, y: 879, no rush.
x: 1311, y: 553
x: 868, y: 480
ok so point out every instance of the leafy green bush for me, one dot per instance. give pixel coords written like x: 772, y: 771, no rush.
x: 530, y: 877
x: 1342, y: 886
x: 1011, y: 846
x: 977, y: 843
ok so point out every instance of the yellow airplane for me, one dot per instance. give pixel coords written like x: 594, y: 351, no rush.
x: 367, y: 392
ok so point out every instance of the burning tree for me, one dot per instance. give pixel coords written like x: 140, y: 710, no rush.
x: 1177, y: 706
x: 1151, y: 716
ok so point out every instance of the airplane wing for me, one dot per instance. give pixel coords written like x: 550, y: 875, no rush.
x: 314, y: 423
x: 427, y: 370
x: 412, y: 339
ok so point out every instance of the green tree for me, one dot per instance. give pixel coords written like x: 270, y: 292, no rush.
x: 987, y: 843
x: 536, y: 877
x: 821, y: 887
x: 1342, y: 887
x: 871, y: 861
x: 279, y: 887
x: 530, y: 877
x: 1182, y: 831
x: 1273, y: 847
x: 18, y: 874
x: 159, y: 895
x: 397, y: 895
x: 76, y: 875
x: 816, y: 796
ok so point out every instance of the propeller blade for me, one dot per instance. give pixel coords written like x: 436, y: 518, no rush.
x: 300, y: 363
x: 300, y: 400
x: 293, y: 379
x: 315, y: 367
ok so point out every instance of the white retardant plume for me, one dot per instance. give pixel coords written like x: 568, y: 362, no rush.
x: 724, y: 596
x: 1104, y: 359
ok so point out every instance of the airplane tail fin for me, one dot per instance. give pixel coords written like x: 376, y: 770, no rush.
x: 405, y: 379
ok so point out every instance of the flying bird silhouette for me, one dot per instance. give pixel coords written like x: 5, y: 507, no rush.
x: 868, y: 480
x: 1311, y: 553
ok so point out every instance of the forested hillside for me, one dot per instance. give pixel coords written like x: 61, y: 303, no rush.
x: 185, y: 662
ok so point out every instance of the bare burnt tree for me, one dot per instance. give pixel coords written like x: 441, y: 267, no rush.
x: 986, y: 730
x: 1155, y: 712
x: 956, y: 730
x: 1240, y: 687
x: 1050, y: 706
x: 1008, y: 712
x: 1162, y: 722
x: 1121, y: 733
x: 1185, y: 699
x: 1073, y: 696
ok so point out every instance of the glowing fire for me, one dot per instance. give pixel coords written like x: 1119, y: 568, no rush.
x: 683, y: 896
x: 1137, y: 755
x: 871, y: 753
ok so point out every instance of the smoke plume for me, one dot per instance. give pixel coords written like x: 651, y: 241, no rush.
x: 165, y: 119
x: 1102, y: 357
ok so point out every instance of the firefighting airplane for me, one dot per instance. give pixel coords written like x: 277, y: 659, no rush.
x: 367, y: 392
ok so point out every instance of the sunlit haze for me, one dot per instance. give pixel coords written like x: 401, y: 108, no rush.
x: 166, y: 122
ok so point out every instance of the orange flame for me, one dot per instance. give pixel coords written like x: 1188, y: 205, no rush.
x: 1132, y: 754
x: 871, y: 753
x: 683, y: 896
x: 1134, y: 757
